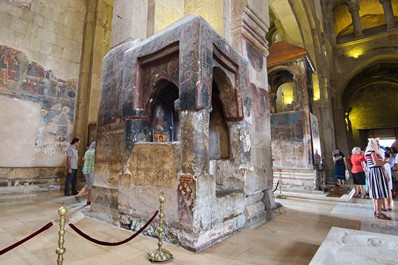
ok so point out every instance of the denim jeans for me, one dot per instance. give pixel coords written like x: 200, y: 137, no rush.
x: 71, y: 177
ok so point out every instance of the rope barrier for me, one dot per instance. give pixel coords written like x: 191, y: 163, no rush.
x: 103, y: 243
x: 44, y: 228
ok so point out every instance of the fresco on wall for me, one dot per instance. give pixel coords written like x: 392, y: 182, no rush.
x: 287, y: 126
x: 260, y: 97
x: 26, y: 80
x: 255, y: 57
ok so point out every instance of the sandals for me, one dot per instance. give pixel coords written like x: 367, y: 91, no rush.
x: 356, y: 195
x: 382, y: 216
x: 77, y: 198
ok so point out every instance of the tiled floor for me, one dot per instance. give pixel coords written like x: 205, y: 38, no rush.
x: 292, y: 237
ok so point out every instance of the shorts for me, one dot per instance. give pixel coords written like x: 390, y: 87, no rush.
x: 89, y: 180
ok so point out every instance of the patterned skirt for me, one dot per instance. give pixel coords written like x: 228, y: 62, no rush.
x: 378, y: 186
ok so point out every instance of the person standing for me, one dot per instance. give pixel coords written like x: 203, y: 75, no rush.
x: 88, y: 171
x: 340, y: 166
x: 387, y: 167
x: 71, y: 167
x: 355, y: 161
x: 394, y: 170
x: 378, y: 186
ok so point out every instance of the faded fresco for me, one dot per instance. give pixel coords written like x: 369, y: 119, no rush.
x: 24, y: 80
x: 287, y: 126
x: 288, y: 143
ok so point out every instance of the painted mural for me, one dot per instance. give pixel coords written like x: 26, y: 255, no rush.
x: 26, y: 80
x: 287, y: 126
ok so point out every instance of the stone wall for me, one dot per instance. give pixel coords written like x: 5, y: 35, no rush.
x: 40, y: 48
x: 48, y: 32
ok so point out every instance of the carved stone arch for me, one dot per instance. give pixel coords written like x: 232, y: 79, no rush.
x: 369, y: 100
x: 153, y: 92
x: 224, y: 103
x: 278, y: 76
x: 228, y: 94
x: 163, y: 117
x: 383, y: 73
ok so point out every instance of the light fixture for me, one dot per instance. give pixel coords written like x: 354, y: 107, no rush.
x: 355, y: 52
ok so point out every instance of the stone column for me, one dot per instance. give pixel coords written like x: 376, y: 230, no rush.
x: 250, y: 24
x: 353, y: 7
x: 194, y: 164
x: 126, y: 16
x: 95, y: 46
x: 329, y: 26
x: 388, y: 13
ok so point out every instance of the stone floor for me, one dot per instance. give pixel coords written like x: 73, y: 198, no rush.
x: 293, y: 236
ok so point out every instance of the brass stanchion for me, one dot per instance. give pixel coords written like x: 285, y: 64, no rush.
x: 160, y: 254
x: 280, y: 196
x: 61, y: 250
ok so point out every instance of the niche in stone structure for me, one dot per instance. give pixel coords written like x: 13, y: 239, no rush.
x: 283, y: 92
x: 218, y: 129
x: 224, y: 103
x: 164, y: 124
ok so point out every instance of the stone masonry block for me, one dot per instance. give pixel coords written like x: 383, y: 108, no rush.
x: 38, y: 20
x: 18, y: 25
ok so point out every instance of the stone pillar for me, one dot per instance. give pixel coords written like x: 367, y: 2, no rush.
x: 126, y: 16
x: 194, y: 146
x: 327, y: 129
x: 388, y: 13
x: 353, y: 7
x: 250, y: 24
x: 97, y: 30
x: 329, y: 27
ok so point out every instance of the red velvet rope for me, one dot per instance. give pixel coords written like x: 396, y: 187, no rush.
x: 44, y: 228
x: 103, y: 243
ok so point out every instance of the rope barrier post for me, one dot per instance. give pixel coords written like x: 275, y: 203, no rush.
x: 61, y: 239
x: 280, y: 196
x: 160, y: 254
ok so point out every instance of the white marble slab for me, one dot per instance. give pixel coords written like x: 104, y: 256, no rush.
x: 346, y: 246
x: 354, y: 209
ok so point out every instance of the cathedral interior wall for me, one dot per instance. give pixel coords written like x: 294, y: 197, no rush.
x: 40, y: 53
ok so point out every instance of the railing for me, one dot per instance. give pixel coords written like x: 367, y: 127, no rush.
x: 156, y: 255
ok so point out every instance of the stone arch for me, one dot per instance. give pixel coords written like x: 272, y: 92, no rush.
x: 370, y: 11
x: 163, y: 117
x: 368, y: 101
x: 277, y: 78
x: 373, y: 57
x: 342, y: 20
x: 218, y: 128
x: 228, y: 94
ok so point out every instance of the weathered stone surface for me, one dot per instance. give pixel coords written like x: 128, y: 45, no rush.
x: 105, y: 201
x: 206, y: 201
x: 25, y: 180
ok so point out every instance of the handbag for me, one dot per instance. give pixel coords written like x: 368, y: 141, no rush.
x: 347, y: 175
